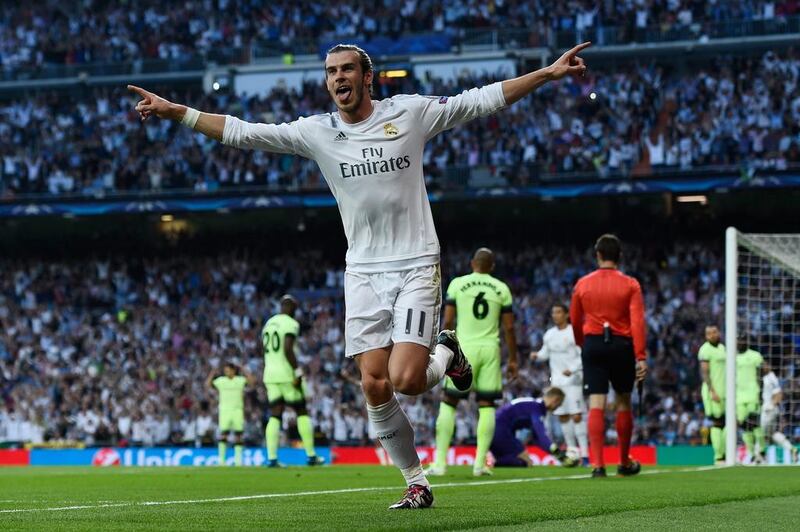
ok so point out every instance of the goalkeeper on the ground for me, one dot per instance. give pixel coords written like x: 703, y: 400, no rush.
x: 526, y: 413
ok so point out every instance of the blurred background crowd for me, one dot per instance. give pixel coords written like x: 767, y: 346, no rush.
x: 735, y: 114
x: 34, y: 37
x: 115, y: 350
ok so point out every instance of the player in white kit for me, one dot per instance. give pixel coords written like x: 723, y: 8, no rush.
x: 370, y: 154
x: 566, y: 372
x: 771, y: 398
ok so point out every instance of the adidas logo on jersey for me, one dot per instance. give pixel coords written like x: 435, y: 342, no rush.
x: 340, y: 136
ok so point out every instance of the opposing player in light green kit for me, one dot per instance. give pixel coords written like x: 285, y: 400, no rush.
x: 748, y: 395
x: 230, y: 386
x: 476, y: 304
x: 712, y: 369
x: 284, y: 381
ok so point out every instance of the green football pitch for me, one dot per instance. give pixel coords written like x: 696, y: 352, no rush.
x: 355, y: 498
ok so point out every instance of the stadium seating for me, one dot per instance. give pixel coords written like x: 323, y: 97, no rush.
x: 733, y: 115
x: 36, y: 42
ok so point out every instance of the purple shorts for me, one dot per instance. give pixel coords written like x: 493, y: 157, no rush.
x: 506, y: 448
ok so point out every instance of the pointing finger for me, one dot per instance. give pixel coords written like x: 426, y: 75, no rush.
x: 140, y: 91
x: 580, y: 47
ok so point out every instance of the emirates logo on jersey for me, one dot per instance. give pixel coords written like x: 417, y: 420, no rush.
x: 374, y: 163
x: 390, y: 130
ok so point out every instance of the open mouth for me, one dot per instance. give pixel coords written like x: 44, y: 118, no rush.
x: 344, y: 92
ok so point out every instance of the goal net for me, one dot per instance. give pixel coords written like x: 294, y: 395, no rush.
x: 762, y: 313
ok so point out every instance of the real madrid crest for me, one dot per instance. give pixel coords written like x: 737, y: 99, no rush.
x: 390, y: 130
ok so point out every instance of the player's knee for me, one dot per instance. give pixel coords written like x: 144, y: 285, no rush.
x: 623, y: 402
x: 301, y: 410
x: 718, y: 422
x: 577, y: 418
x: 377, y: 389
x: 752, y: 422
x: 408, y: 382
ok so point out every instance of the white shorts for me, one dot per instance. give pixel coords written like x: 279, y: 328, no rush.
x: 573, y: 401
x: 769, y: 420
x: 382, y: 309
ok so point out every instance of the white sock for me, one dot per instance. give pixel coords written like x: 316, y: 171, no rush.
x: 437, y: 365
x: 581, y: 434
x: 780, y: 439
x: 396, y: 435
x: 568, y: 428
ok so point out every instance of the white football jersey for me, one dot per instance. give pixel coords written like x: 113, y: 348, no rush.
x: 374, y: 169
x: 559, y: 347
x: 771, y: 386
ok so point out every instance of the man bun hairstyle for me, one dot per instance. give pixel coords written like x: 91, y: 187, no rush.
x: 364, y: 59
x: 609, y: 247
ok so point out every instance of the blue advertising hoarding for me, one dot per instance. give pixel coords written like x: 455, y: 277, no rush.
x: 32, y: 208
x: 164, y: 456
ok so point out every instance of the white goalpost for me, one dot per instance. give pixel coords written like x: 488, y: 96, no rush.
x: 762, y: 304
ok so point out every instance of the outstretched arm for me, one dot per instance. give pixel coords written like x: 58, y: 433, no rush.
x: 276, y: 138
x: 208, y: 124
x: 568, y: 64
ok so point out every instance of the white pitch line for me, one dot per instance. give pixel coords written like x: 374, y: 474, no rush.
x: 334, y: 492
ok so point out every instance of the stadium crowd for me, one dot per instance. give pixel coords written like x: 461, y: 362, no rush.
x: 741, y: 113
x: 33, y: 36
x: 116, y: 350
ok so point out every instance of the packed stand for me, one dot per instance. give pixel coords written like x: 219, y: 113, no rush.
x: 736, y: 115
x: 116, y: 351
x: 35, y: 37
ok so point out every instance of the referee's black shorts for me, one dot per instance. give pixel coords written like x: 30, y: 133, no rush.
x: 608, y: 362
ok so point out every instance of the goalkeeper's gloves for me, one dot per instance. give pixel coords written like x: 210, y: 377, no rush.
x: 562, y: 457
x: 558, y: 453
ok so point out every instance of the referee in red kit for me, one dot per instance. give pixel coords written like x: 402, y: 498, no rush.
x: 607, y: 314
